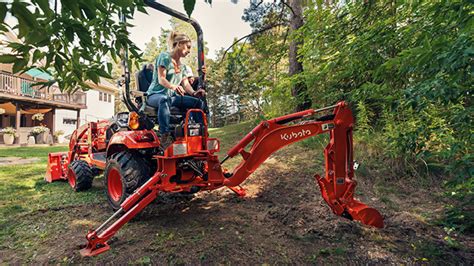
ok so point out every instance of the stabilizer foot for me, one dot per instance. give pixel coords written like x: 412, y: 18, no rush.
x: 90, y: 252
x: 239, y: 191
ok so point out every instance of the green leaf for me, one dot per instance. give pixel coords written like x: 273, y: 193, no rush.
x: 44, y: 5
x: 121, y: 3
x: 109, y: 67
x: 58, y: 63
x: 101, y: 72
x: 26, y: 19
x: 37, y: 55
x: 93, y: 76
x: 19, y: 65
x: 3, y: 11
x: 189, y: 6
x: 72, y: 6
x: 69, y: 33
x: 8, y: 59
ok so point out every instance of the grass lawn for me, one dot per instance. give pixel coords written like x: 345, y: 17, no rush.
x: 23, y: 192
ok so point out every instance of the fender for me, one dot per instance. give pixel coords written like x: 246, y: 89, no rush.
x: 138, y: 139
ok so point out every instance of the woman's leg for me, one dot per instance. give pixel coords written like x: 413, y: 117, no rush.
x: 188, y: 102
x: 161, y: 101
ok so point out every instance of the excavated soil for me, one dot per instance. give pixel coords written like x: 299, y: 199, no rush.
x: 283, y: 220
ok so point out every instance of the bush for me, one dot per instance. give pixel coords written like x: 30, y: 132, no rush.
x: 38, y: 117
x: 9, y: 131
x: 38, y: 130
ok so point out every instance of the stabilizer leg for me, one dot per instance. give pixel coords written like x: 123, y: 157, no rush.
x: 97, y: 239
x: 97, y: 243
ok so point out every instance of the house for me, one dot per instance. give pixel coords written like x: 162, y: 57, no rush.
x: 100, y: 104
x: 20, y: 99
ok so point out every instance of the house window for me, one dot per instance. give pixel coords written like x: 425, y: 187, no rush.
x: 22, y: 121
x: 100, y: 96
x: 69, y: 121
x: 110, y: 98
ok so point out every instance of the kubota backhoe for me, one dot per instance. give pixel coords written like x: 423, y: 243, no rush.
x: 136, y: 169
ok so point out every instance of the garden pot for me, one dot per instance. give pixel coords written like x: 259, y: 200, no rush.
x: 8, y: 139
x: 41, y: 138
x: 31, y: 140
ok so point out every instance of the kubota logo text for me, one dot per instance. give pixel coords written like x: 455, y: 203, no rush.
x: 294, y: 135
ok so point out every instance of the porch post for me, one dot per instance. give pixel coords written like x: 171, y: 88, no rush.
x: 17, y: 123
x: 78, y: 118
x: 53, y: 124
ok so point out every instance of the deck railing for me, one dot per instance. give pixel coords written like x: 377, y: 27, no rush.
x: 16, y: 85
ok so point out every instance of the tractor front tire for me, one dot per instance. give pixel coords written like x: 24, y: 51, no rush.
x: 124, y: 173
x: 80, y: 175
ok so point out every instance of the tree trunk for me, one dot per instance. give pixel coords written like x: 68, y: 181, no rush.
x: 299, y: 90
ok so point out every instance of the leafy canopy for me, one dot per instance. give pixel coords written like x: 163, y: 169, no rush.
x: 70, y: 39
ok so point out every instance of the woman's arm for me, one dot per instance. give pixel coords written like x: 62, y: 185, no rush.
x: 189, y: 89
x: 165, y: 83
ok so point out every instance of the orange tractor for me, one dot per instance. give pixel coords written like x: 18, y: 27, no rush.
x: 136, y: 169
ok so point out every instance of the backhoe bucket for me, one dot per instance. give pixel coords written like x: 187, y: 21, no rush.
x: 348, y: 207
x: 57, y: 162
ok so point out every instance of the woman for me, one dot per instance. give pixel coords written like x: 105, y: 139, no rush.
x: 165, y: 89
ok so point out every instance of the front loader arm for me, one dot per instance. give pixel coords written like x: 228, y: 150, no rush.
x: 337, y: 187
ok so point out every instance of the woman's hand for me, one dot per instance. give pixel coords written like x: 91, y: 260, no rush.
x: 178, y: 89
x: 199, y: 93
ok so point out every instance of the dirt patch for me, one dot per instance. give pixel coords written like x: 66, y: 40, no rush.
x: 283, y: 220
x: 17, y: 160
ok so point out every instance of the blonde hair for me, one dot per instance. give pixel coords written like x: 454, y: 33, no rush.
x: 175, y: 38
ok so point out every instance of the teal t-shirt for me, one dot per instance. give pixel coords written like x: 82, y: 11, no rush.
x: 164, y: 60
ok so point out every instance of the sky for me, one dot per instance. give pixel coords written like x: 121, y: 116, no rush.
x: 220, y: 23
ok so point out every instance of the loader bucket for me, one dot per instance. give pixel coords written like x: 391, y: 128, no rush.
x: 56, y: 165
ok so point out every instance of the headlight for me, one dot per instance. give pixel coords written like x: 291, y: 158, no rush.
x: 133, y: 120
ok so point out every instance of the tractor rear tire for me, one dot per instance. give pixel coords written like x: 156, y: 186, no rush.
x: 124, y: 173
x: 80, y: 175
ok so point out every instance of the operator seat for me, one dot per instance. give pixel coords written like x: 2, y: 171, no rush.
x: 176, y: 114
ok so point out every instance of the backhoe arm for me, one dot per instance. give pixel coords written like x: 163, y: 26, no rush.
x: 337, y: 187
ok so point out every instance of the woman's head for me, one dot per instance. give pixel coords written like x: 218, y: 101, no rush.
x: 179, y: 42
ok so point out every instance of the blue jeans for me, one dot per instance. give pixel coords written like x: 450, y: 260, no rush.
x: 163, y: 103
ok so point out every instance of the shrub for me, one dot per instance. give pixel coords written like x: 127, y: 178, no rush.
x: 38, y: 117
x: 38, y: 130
x: 9, y: 131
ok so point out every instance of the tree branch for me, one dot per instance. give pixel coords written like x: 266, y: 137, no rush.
x: 249, y: 35
x: 289, y: 7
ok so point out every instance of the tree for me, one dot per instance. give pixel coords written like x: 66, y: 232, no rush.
x: 299, y: 90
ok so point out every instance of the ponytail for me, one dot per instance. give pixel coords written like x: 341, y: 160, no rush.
x: 175, y: 38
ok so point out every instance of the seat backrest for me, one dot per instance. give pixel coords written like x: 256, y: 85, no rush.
x: 143, y: 78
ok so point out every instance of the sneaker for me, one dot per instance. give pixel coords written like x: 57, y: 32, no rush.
x: 166, y: 140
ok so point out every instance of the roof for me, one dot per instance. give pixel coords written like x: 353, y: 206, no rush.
x: 103, y: 85
x: 38, y: 73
